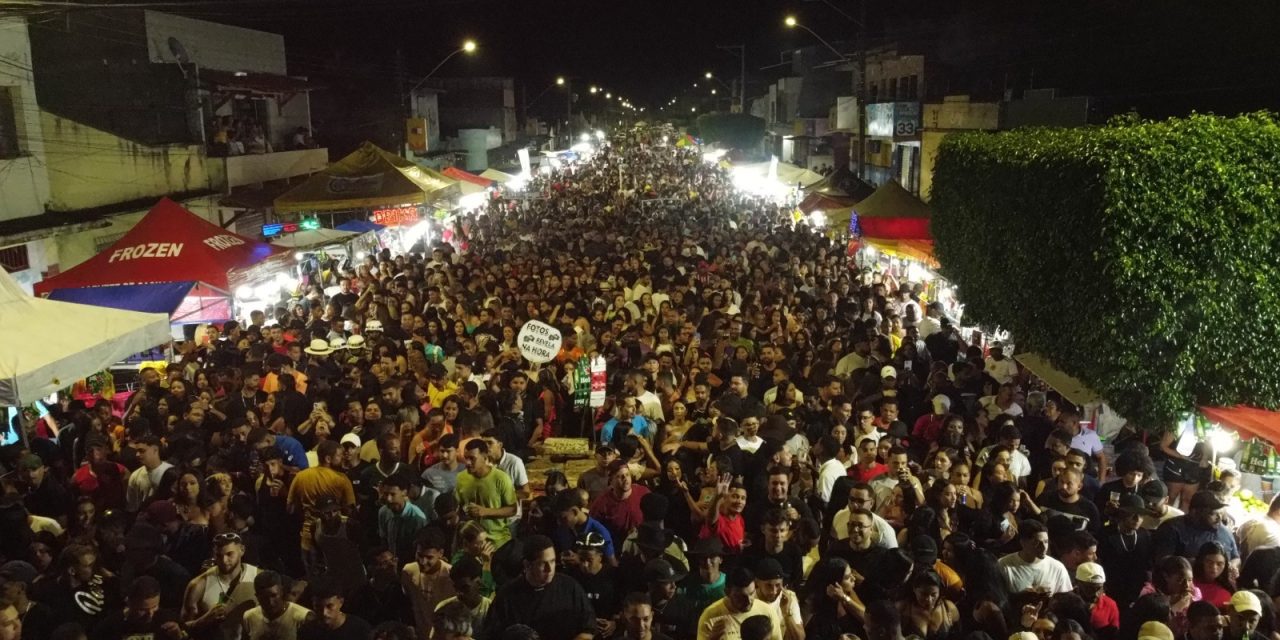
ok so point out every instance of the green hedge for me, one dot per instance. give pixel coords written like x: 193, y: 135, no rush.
x: 1141, y: 257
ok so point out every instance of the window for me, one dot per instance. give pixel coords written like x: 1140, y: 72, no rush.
x: 913, y: 87
x: 9, y: 147
x: 15, y: 259
x: 874, y: 92
x: 893, y: 88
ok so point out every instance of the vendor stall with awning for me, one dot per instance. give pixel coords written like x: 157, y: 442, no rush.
x: 199, y: 263
x: 368, y: 180
x: 49, y: 345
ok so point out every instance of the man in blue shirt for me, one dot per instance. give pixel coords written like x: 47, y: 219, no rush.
x: 290, y: 449
x: 573, y: 521
x: 399, y: 520
x: 1185, y: 534
x: 628, y: 413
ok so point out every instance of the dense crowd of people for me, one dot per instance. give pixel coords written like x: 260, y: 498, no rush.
x: 790, y: 449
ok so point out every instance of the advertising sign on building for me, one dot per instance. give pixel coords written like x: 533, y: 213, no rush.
x: 846, y: 113
x: 893, y: 120
x: 539, y: 342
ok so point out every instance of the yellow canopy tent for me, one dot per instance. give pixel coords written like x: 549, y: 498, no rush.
x: 368, y: 178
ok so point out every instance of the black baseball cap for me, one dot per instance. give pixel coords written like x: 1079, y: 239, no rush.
x: 660, y: 570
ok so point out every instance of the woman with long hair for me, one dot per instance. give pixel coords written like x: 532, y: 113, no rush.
x: 835, y: 606
x: 924, y: 610
x: 1211, y: 575
x: 1173, y: 578
x: 986, y: 597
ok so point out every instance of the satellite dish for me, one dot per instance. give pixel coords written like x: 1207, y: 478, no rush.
x: 179, y: 52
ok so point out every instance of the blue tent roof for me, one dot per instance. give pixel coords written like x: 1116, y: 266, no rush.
x: 163, y: 297
x: 359, y: 226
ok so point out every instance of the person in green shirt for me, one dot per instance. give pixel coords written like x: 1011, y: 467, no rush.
x: 486, y: 494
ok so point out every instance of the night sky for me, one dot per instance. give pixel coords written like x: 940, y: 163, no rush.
x: 1162, y: 57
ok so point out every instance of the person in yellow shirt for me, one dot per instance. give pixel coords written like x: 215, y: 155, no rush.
x: 439, y: 386
x: 725, y: 616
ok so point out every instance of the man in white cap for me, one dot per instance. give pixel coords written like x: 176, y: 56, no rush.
x: 1104, y: 614
x: 1243, y: 614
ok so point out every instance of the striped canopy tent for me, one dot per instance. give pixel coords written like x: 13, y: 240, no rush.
x: 368, y: 178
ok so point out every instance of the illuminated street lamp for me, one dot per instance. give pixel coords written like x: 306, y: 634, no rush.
x: 594, y: 89
x: 792, y: 23
x: 560, y: 81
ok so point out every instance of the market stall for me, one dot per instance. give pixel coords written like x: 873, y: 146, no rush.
x: 369, y: 184
x: 49, y: 345
x: 174, y: 262
x: 839, y: 191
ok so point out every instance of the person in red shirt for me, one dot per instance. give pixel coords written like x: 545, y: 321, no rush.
x: 1104, y: 614
x: 724, y: 518
x: 868, y: 466
x: 928, y: 427
x: 618, y: 508
x: 100, y: 478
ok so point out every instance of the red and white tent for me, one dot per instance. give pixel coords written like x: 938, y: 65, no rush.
x: 171, y: 244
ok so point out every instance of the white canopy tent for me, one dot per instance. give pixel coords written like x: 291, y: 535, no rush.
x: 46, y: 345
x: 312, y: 238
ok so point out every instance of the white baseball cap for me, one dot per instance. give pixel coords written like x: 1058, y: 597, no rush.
x: 1091, y: 573
x: 351, y: 439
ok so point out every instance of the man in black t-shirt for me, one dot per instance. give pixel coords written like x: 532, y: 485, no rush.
x: 330, y: 621
x: 552, y: 604
x: 142, y: 617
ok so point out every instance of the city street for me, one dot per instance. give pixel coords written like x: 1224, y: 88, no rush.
x: 846, y: 320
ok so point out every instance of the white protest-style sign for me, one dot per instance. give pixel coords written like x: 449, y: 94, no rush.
x: 539, y: 342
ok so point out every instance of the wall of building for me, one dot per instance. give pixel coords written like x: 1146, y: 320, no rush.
x: 92, y: 168
x: 214, y: 46
x: 889, y: 77
x: 24, y: 181
x: 477, y: 103
x: 1043, y: 108
x: 955, y: 113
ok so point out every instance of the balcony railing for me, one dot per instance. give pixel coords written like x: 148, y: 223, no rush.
x: 264, y: 167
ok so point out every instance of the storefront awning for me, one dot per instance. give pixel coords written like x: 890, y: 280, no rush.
x: 269, y: 83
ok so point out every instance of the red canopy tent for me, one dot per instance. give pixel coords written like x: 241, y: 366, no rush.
x: 463, y: 176
x: 892, y: 213
x: 171, y: 244
x: 1247, y: 421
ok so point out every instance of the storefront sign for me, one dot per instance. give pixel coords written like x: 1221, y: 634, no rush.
x: 396, y: 216
x: 539, y: 342
x: 277, y: 228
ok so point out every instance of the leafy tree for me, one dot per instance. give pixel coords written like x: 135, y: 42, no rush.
x: 1141, y: 257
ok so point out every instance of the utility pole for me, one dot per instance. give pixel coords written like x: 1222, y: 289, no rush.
x: 861, y: 89
x: 568, y: 111
x: 741, y: 49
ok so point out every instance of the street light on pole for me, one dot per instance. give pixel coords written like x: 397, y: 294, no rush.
x: 467, y: 47
x: 791, y: 22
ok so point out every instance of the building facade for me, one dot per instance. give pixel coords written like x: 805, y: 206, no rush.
x: 112, y: 110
